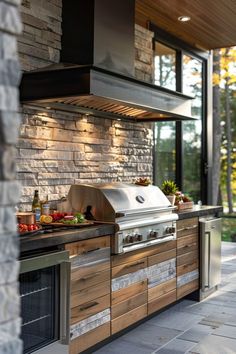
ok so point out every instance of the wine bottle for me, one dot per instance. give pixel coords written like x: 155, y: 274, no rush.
x: 36, y: 207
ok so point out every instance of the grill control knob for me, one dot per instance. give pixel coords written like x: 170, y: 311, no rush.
x: 153, y: 234
x: 138, y: 237
x: 173, y: 229
x: 131, y: 239
x: 127, y: 238
x: 150, y: 235
x: 168, y: 230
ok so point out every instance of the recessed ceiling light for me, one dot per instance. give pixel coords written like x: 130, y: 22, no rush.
x: 48, y: 107
x: 184, y: 18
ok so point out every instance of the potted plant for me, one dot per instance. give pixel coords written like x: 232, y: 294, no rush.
x: 183, y: 201
x: 169, y: 188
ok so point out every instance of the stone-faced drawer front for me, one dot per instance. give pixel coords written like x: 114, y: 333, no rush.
x: 89, y: 323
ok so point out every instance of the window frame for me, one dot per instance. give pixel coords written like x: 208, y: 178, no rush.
x: 183, y: 48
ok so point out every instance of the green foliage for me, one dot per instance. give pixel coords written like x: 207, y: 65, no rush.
x: 224, y: 145
x: 226, y: 76
x: 169, y: 187
x: 229, y: 229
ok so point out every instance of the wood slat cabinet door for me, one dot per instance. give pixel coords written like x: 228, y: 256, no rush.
x: 90, y: 292
x: 129, y: 290
x: 187, y: 256
x: 162, y: 278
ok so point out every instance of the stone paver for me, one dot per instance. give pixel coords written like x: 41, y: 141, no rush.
x: 190, y: 327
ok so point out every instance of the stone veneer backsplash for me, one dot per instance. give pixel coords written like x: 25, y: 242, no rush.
x: 57, y: 149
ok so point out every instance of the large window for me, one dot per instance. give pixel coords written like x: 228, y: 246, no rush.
x: 165, y: 152
x: 165, y: 66
x: 179, y: 149
x: 192, y: 83
x: 192, y: 130
x: 191, y: 159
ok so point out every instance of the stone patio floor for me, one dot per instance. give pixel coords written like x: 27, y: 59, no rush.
x: 190, y: 327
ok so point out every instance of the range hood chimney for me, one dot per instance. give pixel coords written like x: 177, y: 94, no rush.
x: 99, y: 33
x: 96, y: 73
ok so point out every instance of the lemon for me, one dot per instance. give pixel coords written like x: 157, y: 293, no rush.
x: 46, y: 219
x: 42, y: 218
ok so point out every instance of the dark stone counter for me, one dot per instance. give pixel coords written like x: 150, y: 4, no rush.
x: 59, y: 238
x: 200, y: 211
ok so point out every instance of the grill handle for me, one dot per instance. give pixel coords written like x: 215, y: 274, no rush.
x: 146, y: 222
x: 143, y: 211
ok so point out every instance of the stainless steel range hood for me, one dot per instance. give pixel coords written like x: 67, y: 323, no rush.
x: 98, y: 43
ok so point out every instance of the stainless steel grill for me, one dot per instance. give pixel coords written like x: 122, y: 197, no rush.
x: 143, y: 215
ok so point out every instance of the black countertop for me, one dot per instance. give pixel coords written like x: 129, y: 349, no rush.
x: 58, y: 238
x: 61, y: 237
x: 198, y: 211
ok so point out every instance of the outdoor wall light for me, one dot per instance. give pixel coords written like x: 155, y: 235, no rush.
x: 184, y: 18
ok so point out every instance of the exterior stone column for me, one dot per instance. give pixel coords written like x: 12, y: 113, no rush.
x: 10, y: 27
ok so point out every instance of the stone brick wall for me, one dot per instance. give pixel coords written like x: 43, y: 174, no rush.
x: 10, y: 26
x: 144, y: 64
x: 57, y: 149
x: 40, y: 43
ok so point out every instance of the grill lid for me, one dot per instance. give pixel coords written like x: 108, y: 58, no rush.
x: 111, y: 200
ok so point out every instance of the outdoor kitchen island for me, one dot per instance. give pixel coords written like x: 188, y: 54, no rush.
x: 109, y: 293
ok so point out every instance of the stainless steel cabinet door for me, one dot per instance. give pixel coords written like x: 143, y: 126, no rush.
x: 210, y: 252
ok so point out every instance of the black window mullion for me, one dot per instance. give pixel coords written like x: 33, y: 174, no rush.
x: 179, y: 155
x: 179, y: 125
x: 204, y: 152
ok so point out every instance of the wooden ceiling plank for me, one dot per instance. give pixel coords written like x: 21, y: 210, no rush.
x: 212, y: 22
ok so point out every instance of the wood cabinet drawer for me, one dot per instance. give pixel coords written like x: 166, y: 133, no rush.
x: 187, y: 244
x: 186, y: 268
x: 187, y: 227
x: 187, y: 288
x: 126, y: 293
x: 87, y: 246
x: 129, y: 318
x: 80, y: 297
x: 80, y: 312
x: 161, y: 301
x: 117, y: 260
x: 89, y: 339
x: 149, y: 251
x: 161, y: 257
x: 130, y: 304
x: 187, y: 258
x: 79, y: 282
x: 129, y: 267
x: 161, y: 289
